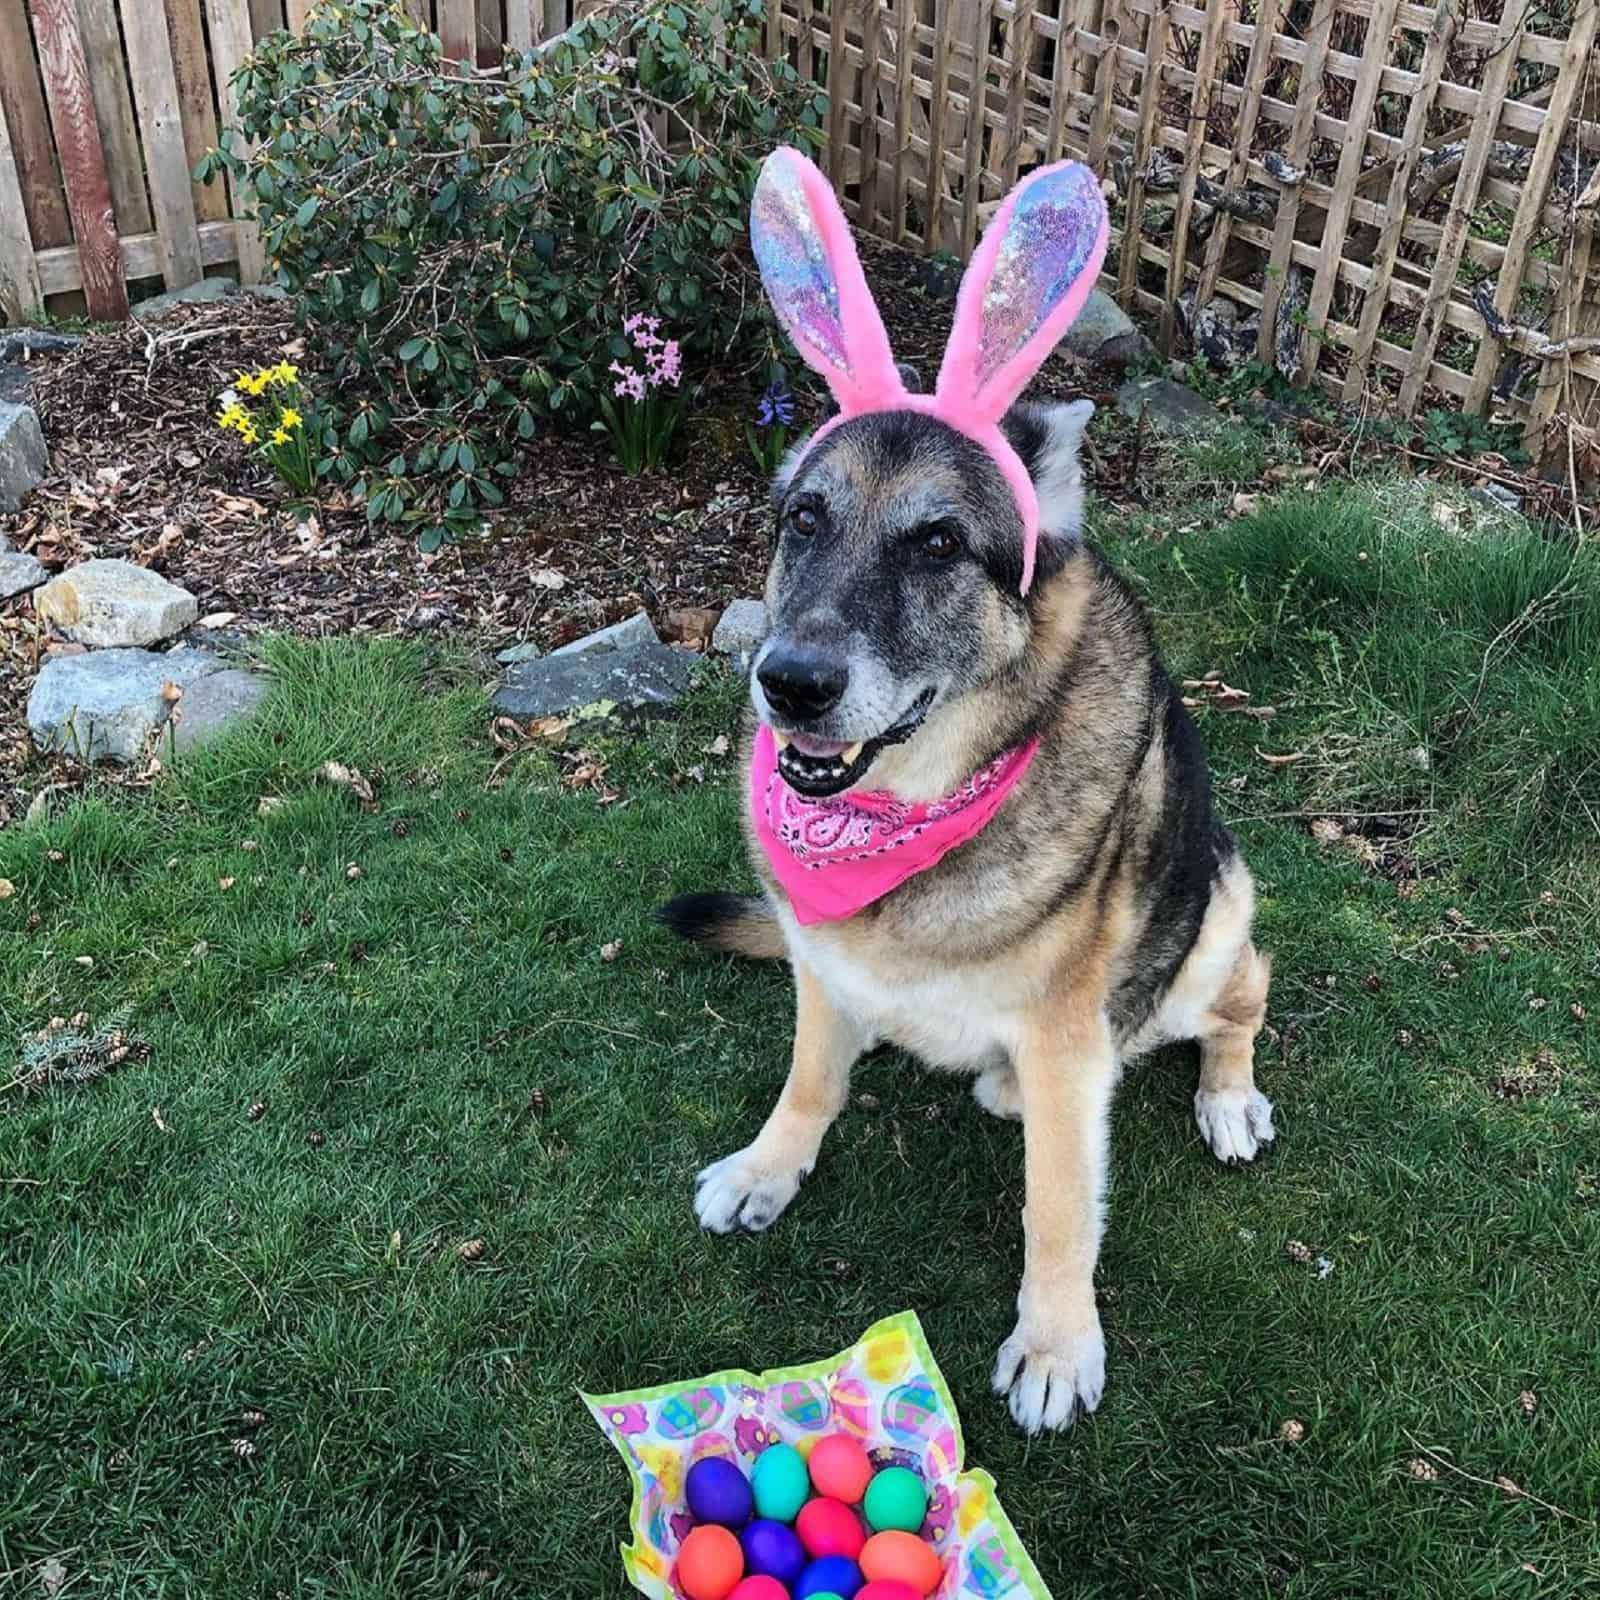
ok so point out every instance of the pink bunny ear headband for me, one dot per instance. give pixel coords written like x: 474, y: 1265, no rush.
x: 1023, y: 288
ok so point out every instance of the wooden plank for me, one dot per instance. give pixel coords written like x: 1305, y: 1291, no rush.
x: 491, y: 35
x: 939, y: 96
x: 1440, y: 39
x: 1105, y: 83
x: 22, y: 104
x: 977, y: 91
x: 1155, y: 59
x: 83, y: 165
x: 871, y: 87
x: 557, y: 18
x: 1061, y: 77
x: 457, y: 27
x: 1255, y: 83
x: 193, y: 72
x: 522, y: 23
x: 805, y: 52
x: 1554, y: 376
x: 113, y: 109
x: 230, y: 43
x: 266, y: 16
x: 905, y: 81
x: 1295, y: 153
x: 21, y: 294
x: 1200, y: 110
x: 141, y: 255
x: 1337, y: 218
x: 1575, y: 66
x: 294, y: 14
x: 155, y: 94
x: 1496, y: 78
x: 1019, y: 42
x: 840, y: 12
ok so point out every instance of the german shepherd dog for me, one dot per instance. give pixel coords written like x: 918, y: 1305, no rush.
x: 1102, y: 911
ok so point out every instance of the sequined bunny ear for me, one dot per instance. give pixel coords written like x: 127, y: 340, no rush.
x: 1024, y: 287
x: 814, y: 280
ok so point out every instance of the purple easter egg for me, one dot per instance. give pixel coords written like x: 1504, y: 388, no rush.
x: 719, y: 1492
x: 773, y: 1551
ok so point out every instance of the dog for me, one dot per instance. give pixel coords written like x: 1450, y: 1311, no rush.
x: 1099, y: 911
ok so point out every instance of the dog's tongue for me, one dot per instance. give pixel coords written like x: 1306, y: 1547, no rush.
x: 817, y: 748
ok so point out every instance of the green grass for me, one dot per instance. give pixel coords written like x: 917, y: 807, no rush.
x: 447, y: 1024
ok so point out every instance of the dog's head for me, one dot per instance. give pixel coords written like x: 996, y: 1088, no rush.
x: 894, y: 586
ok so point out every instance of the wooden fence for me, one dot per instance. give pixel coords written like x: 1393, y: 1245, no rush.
x: 1395, y: 201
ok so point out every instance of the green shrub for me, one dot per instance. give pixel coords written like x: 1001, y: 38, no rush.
x: 464, y: 247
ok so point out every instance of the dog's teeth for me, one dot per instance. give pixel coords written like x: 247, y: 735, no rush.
x: 780, y: 739
x: 849, y: 756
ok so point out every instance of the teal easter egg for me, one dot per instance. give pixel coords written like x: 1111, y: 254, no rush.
x: 912, y: 1410
x: 805, y: 1405
x: 780, y: 1482
x: 682, y: 1416
x: 851, y: 1404
x: 989, y: 1570
x: 896, y: 1499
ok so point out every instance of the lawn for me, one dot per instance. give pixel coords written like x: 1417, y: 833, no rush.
x: 455, y: 1022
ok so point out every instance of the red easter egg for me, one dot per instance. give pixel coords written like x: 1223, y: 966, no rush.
x: 710, y: 1563
x: 902, y: 1558
x: 761, y: 1587
x: 887, y: 1589
x: 840, y: 1468
x: 830, y: 1528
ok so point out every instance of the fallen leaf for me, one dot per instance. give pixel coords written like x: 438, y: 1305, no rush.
x: 548, y: 727
x: 156, y: 1117
x: 83, y: 961
x: 7, y: 888
x: 1326, y: 831
x: 171, y: 692
x: 268, y: 804
x: 218, y: 619
x: 547, y: 578
x: 1286, y: 760
x: 610, y: 952
x: 350, y: 778
x: 1288, y: 472
x: 52, y: 1574
x: 352, y: 872
x: 225, y: 884
x: 718, y: 746
x: 1244, y: 505
x: 691, y: 625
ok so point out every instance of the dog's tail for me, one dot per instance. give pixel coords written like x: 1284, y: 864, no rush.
x: 740, y: 923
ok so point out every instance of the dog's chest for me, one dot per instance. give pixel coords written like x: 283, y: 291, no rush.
x: 959, y: 1017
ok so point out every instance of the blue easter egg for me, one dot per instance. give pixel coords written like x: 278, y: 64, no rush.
x: 717, y: 1492
x: 772, y: 1550
x: 829, y: 1575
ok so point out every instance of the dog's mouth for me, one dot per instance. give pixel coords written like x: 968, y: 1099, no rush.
x: 818, y: 768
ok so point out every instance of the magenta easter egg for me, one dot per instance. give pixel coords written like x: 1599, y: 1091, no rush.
x: 682, y: 1416
x: 804, y: 1405
x: 939, y: 1460
x: 851, y: 1404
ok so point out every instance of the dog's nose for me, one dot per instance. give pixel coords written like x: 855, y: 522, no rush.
x: 800, y: 681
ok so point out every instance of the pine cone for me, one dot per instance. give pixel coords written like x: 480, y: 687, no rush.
x: 470, y: 1249
x: 315, y: 1139
x: 1422, y: 1471
x: 258, y: 1109
x: 244, y: 1448
x: 1292, y: 1430
x: 1529, y: 1402
x: 253, y: 1418
x: 1297, y: 1251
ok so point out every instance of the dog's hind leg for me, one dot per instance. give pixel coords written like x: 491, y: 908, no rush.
x: 1233, y: 1116
x: 751, y: 1188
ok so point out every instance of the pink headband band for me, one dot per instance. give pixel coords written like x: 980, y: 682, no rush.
x: 1026, y: 283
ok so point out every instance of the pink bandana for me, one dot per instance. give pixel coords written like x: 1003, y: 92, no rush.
x: 837, y: 855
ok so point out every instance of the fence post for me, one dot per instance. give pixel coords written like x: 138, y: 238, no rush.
x: 230, y: 44
x: 21, y: 298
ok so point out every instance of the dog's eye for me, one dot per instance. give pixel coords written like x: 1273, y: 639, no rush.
x: 803, y: 520
x: 938, y: 541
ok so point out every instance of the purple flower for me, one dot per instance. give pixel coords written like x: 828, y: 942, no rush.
x: 666, y: 365
x: 776, y: 406
x: 643, y: 331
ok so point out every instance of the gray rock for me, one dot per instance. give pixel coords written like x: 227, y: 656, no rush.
x: 21, y: 342
x: 740, y: 629
x: 214, y: 704
x: 1169, y: 407
x: 107, y: 705
x: 19, y: 572
x: 638, y: 680
x: 193, y: 294
x: 526, y: 651
x: 625, y: 635
x: 1103, y: 332
x: 265, y: 291
x: 110, y: 603
x: 23, y: 457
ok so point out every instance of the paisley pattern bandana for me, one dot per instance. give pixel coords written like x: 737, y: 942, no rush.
x: 837, y: 855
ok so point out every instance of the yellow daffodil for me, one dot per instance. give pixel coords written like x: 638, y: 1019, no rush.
x: 279, y: 436
x: 282, y: 373
x: 290, y: 418
x: 247, y: 432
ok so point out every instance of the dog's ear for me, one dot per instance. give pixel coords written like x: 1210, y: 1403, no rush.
x: 814, y: 280
x: 1048, y: 440
x: 1026, y: 283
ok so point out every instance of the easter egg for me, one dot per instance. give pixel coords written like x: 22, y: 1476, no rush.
x: 831, y: 1575
x: 851, y: 1404
x: 760, y: 1588
x: 989, y: 1569
x: 779, y: 1483
x: 682, y: 1416
x: 710, y: 1445
x: 718, y: 1493
x: 710, y: 1563
x: 830, y: 1528
x: 887, y: 1589
x: 840, y: 1468
x: 805, y: 1405
x: 912, y: 1410
x: 895, y: 1499
x: 772, y: 1550
x: 887, y: 1356
x: 939, y: 1459
x: 902, y: 1557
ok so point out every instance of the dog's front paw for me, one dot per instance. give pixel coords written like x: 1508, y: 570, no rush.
x: 999, y: 1093
x: 1236, y: 1123
x: 741, y: 1191
x: 1051, y: 1379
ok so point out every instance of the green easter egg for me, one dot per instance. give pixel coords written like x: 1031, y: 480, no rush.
x: 780, y: 1483
x: 896, y: 1499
